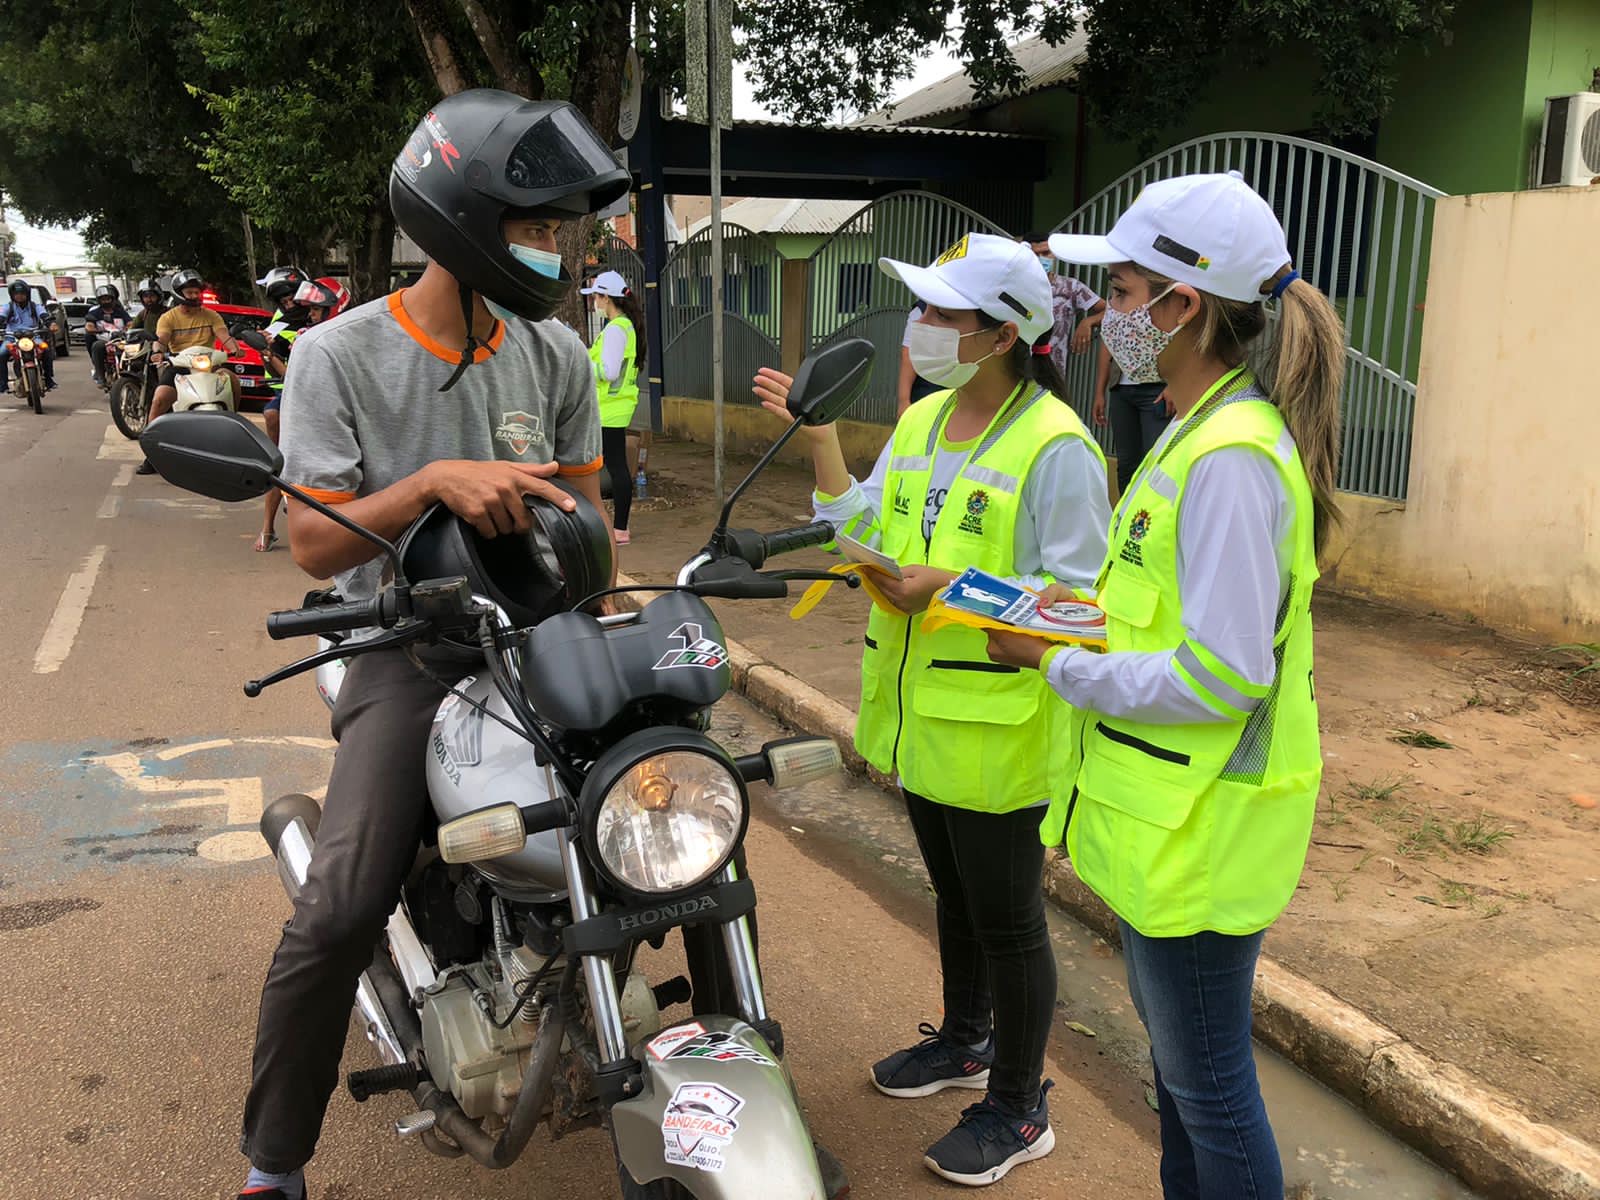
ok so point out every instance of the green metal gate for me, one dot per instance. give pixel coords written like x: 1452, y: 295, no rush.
x: 752, y: 296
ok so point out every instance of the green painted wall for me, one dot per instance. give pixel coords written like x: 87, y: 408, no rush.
x: 798, y: 245
x: 1563, y: 54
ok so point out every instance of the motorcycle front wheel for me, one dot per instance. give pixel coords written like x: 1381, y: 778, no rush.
x: 34, y: 387
x: 128, y: 409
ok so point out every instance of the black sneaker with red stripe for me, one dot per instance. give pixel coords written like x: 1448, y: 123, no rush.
x: 989, y: 1140
x: 933, y: 1064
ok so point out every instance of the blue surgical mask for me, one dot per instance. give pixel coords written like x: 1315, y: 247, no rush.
x: 1048, y: 262
x: 546, y: 262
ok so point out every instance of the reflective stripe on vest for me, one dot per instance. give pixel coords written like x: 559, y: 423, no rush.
x: 1183, y: 828
x: 956, y: 727
x: 620, y: 396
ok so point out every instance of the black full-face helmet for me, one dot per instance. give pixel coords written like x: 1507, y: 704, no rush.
x: 19, y: 288
x: 482, y: 154
x: 188, y: 277
x: 563, y: 558
x: 151, y: 292
x: 107, y: 295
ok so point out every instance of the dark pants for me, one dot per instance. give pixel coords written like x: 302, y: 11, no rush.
x: 1193, y: 995
x: 614, y: 446
x: 1137, y: 418
x: 372, y: 823
x: 97, y: 356
x: 994, y: 945
x: 10, y: 351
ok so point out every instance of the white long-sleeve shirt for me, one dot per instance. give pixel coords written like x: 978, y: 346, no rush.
x: 1235, y: 526
x: 613, y: 352
x: 1061, y: 522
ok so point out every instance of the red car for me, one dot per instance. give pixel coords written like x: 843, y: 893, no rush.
x: 247, y: 364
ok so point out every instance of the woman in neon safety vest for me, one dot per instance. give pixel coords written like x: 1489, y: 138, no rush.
x: 993, y: 470
x: 617, y: 353
x: 1187, y: 789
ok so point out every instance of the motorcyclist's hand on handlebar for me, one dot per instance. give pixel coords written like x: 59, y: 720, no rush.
x: 488, y: 495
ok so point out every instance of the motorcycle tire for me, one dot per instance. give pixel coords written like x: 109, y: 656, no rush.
x: 35, y: 388
x: 128, y: 409
x: 661, y: 1189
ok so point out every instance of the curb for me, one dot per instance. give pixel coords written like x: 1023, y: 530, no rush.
x: 1448, y: 1114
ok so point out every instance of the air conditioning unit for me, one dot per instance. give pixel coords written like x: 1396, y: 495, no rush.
x: 1569, y: 150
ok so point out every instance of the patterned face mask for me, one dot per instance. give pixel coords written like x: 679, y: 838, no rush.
x: 1134, y: 341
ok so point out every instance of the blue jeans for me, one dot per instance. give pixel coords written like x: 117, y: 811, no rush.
x: 1193, y: 995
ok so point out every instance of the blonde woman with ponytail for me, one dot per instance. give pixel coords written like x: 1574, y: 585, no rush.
x: 1186, y: 790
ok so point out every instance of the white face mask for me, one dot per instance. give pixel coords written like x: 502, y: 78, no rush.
x: 935, y: 351
x: 1134, y: 341
x: 546, y: 262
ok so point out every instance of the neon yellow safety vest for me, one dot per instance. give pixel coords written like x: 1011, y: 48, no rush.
x: 620, y: 397
x: 1183, y: 828
x: 278, y: 327
x: 957, y: 727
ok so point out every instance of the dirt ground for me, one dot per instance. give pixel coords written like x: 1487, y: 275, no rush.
x: 1453, y: 885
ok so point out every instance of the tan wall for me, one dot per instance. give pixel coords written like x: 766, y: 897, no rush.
x: 1502, y: 520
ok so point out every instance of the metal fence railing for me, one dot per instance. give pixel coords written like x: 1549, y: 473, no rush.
x: 1357, y: 230
x: 847, y: 296
x: 752, y: 281
x: 745, y: 349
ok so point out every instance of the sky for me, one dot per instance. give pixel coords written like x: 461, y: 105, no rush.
x: 61, y: 247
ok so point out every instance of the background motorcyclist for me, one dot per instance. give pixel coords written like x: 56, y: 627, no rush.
x: 21, y: 314
x: 518, y: 408
x: 316, y: 300
x: 280, y: 285
x: 188, y: 324
x: 107, y: 316
x: 152, y: 303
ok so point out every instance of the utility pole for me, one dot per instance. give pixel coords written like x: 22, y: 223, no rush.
x: 714, y: 51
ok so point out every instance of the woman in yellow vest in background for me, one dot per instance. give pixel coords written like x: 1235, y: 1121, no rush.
x: 1000, y: 474
x: 617, y: 353
x: 1192, y: 776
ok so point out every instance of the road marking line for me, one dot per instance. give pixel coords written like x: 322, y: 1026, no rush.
x: 89, y: 412
x: 115, y: 446
x: 112, y: 504
x: 62, y: 631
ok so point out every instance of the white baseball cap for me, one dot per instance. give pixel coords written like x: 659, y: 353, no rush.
x: 995, y: 275
x: 1211, y: 231
x: 607, y: 283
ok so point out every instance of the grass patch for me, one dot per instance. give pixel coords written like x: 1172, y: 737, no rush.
x: 1420, y: 738
x: 1341, y: 887
x: 1428, y: 837
x: 1384, y: 787
x: 1587, y: 653
x: 1453, y: 892
x: 1478, y: 836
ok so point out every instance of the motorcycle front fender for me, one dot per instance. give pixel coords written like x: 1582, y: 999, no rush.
x: 718, y: 1114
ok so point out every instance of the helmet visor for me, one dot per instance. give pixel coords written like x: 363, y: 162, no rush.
x: 558, y: 152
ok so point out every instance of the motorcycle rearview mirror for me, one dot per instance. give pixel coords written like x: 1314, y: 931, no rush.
x: 826, y: 386
x: 225, y: 457
x: 220, y: 455
x: 830, y: 381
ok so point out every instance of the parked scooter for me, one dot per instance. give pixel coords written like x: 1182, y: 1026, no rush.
x: 27, y: 348
x: 133, y: 365
x: 583, y: 811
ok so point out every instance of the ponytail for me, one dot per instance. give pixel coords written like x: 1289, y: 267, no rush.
x: 1303, y: 371
x: 1307, y: 365
x: 1032, y: 364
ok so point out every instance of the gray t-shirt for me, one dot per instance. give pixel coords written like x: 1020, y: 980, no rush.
x: 362, y: 408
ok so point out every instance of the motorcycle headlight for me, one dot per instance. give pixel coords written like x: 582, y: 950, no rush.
x: 24, y: 343
x: 200, y: 363
x: 663, y: 812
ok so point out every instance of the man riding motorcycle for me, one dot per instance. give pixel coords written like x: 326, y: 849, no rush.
x: 107, y: 316
x: 473, y: 189
x: 19, y: 314
x: 152, y: 303
x: 189, y: 324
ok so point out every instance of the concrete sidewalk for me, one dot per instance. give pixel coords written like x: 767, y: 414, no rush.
x: 1389, y: 1064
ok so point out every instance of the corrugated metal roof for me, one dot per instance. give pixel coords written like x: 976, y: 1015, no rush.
x: 871, y: 124
x: 1043, y: 66
x: 764, y: 214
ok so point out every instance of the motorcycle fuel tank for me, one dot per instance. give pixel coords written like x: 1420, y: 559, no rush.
x: 475, y: 762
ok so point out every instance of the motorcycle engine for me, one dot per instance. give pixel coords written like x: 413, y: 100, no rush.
x: 481, y: 1066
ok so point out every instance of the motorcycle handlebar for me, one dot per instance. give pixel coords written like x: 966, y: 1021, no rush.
x: 333, y: 618
x: 755, y: 548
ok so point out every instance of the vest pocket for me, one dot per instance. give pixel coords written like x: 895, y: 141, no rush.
x: 1129, y: 599
x: 1140, y: 777
x: 976, y: 738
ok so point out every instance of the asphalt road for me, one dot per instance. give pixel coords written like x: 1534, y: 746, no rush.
x: 138, y: 909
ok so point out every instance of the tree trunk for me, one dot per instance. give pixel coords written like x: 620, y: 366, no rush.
x: 372, y: 260
x: 443, y: 61
x: 499, y: 44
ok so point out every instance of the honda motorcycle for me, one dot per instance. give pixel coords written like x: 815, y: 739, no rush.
x: 26, y: 350
x: 203, y: 382
x: 583, y: 812
x: 133, y: 367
